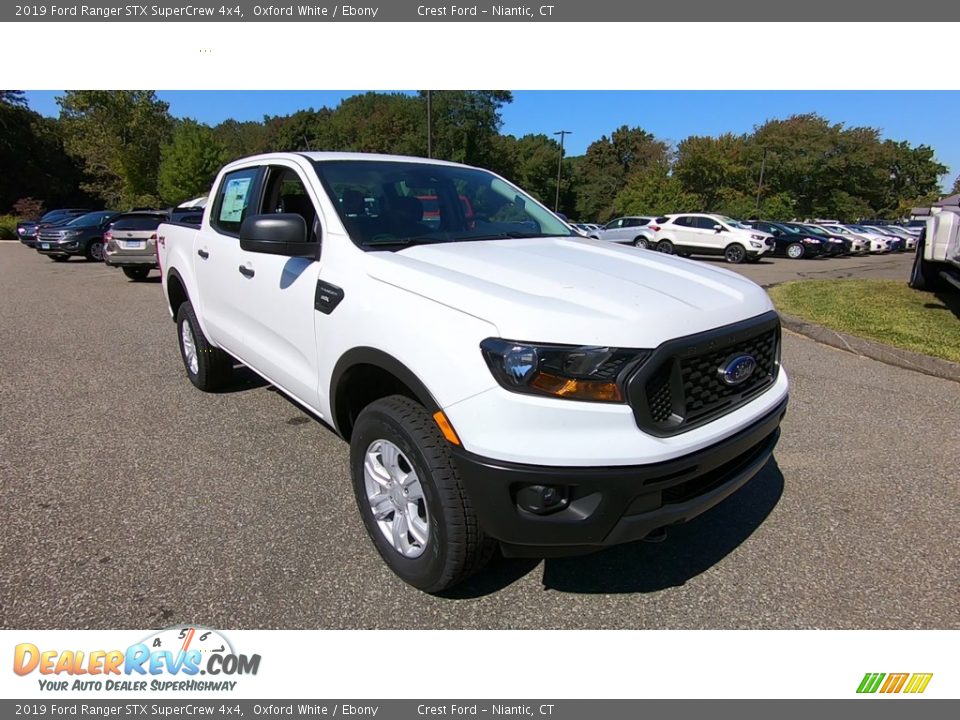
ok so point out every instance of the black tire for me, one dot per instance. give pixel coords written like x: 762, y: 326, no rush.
x: 923, y: 274
x: 94, y: 251
x: 214, y: 366
x: 59, y: 258
x: 666, y: 247
x: 795, y: 247
x: 641, y: 242
x: 735, y: 253
x: 457, y: 546
x: 137, y: 274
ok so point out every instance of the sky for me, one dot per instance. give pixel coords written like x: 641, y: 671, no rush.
x: 919, y: 117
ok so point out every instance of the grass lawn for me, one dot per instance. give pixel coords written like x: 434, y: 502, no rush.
x: 883, y: 310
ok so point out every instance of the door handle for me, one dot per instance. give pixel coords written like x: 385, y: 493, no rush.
x: 246, y: 272
x: 203, y: 253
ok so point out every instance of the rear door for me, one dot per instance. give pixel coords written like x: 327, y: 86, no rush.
x: 276, y: 294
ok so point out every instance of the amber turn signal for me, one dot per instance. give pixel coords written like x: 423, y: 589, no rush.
x: 577, y: 389
x: 445, y: 427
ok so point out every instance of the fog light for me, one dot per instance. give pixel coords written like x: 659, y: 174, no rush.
x: 542, y: 499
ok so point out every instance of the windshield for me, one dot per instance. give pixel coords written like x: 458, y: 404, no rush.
x: 386, y: 203
x: 94, y: 218
x: 733, y: 223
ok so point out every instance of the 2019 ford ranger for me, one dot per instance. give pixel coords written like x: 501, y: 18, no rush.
x: 499, y: 378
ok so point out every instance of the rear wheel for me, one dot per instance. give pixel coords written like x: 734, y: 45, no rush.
x: 794, y: 251
x: 735, y: 253
x: 923, y: 274
x: 209, y: 368
x: 410, y: 497
x: 665, y: 246
x: 94, y: 251
x: 641, y: 242
x: 137, y: 274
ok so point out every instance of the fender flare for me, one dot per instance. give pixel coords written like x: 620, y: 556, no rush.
x: 384, y: 361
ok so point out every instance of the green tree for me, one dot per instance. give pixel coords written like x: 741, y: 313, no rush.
x: 610, y: 163
x: 708, y: 166
x: 465, y: 124
x: 241, y: 138
x: 117, y: 135
x: 33, y: 158
x: 189, y: 163
x: 654, y: 193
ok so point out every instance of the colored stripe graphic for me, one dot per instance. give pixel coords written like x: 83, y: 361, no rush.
x: 870, y: 682
x: 918, y: 682
x: 894, y: 683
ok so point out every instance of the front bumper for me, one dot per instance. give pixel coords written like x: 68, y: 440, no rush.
x: 611, y: 505
x: 59, y: 247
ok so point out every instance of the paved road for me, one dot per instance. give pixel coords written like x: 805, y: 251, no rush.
x: 771, y: 271
x: 129, y: 499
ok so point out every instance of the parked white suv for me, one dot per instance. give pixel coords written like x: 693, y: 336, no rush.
x: 498, y: 378
x: 707, y: 234
x: 633, y: 230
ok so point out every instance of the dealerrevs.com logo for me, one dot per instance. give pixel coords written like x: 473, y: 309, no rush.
x: 172, y: 659
x: 909, y: 683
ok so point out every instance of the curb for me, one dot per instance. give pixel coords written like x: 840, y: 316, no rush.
x: 877, y: 351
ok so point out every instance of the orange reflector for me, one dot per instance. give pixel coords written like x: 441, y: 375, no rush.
x: 577, y: 389
x: 445, y: 427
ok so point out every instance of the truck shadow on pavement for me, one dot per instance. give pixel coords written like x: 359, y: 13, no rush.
x: 641, y: 567
x: 950, y: 300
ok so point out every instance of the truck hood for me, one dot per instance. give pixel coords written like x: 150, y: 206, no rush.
x: 573, y: 291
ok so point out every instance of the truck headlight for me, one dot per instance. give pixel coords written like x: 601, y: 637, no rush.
x: 588, y: 373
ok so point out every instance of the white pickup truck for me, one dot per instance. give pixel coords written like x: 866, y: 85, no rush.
x: 499, y: 378
x: 936, y: 265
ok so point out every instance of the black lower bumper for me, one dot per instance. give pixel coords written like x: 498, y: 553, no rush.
x: 604, y: 506
x: 54, y: 248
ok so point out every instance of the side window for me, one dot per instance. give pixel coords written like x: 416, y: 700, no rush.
x: 614, y: 224
x: 705, y: 223
x: 233, y: 200
x: 286, y: 193
x: 630, y: 222
x: 683, y: 221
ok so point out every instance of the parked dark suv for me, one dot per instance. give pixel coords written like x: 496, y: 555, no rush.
x: 131, y: 243
x: 27, y: 229
x: 789, y: 241
x: 80, y: 236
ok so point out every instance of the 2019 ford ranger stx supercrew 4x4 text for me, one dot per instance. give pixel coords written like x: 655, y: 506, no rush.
x: 499, y: 378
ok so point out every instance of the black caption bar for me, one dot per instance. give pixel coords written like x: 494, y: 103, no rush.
x: 740, y: 11
x: 876, y: 709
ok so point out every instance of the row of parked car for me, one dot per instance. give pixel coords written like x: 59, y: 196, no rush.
x: 748, y: 240
x: 127, y: 240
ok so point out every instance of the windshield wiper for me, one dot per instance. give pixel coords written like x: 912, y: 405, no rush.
x: 418, y: 240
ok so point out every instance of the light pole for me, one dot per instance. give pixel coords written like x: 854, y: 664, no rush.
x: 763, y: 166
x: 429, y: 128
x: 562, y: 134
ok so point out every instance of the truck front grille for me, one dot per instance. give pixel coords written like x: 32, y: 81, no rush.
x: 682, y: 387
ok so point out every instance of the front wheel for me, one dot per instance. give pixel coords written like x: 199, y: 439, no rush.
x: 209, y: 368
x: 410, y: 497
x: 94, y: 251
x: 137, y: 274
x: 735, y: 253
x: 794, y: 251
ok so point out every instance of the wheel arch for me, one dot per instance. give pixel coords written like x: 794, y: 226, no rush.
x: 365, y: 374
x: 176, y: 291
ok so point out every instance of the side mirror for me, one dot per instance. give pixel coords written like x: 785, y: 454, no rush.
x: 718, y: 228
x: 777, y: 233
x: 277, y: 234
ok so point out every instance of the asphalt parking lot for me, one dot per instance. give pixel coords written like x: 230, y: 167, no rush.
x: 131, y: 500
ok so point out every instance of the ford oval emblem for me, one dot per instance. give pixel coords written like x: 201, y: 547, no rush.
x: 737, y: 369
